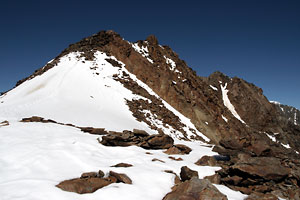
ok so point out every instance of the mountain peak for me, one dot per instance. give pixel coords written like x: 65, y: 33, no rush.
x: 152, y: 40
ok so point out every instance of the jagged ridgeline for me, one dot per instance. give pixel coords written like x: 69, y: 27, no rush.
x: 105, y: 82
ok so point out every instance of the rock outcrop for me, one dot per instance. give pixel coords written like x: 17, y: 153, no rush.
x: 146, y: 141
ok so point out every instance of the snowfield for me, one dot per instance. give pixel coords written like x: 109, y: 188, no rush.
x: 34, y: 157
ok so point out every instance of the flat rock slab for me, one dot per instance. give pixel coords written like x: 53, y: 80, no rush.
x: 269, y: 168
x: 82, y: 186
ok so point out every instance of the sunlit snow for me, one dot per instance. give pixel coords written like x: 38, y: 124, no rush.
x: 228, y: 104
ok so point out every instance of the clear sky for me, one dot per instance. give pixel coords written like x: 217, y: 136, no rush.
x: 257, y: 40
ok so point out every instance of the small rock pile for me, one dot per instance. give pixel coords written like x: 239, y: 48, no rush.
x: 139, y: 138
x: 91, y: 181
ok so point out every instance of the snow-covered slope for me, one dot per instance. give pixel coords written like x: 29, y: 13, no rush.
x: 82, y: 93
x: 35, y: 157
x: 72, y: 92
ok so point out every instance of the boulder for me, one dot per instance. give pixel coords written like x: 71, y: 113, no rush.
x: 178, y: 149
x: 186, y: 173
x: 195, y: 189
x: 82, y: 186
x: 269, y: 168
x: 123, y: 178
x: 207, y: 161
x: 160, y: 141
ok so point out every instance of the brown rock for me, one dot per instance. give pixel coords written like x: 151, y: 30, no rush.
x: 215, y: 179
x: 155, y: 159
x: 4, y: 123
x: 100, y: 174
x: 82, y: 186
x: 261, y: 196
x: 186, y: 173
x: 195, y: 189
x: 95, y: 131
x: 207, y: 161
x: 89, y: 175
x: 178, y: 149
x: 176, y: 159
x: 259, y: 147
x: 123, y: 178
x: 32, y: 119
x: 140, y: 132
x: 112, y: 179
x: 232, y: 180
x: 160, y: 142
x: 122, y: 165
x: 269, y: 168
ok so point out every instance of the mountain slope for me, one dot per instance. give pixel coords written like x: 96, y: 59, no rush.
x: 104, y: 81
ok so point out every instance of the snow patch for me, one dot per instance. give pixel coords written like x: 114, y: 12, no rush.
x: 224, y: 118
x: 287, y: 146
x: 143, y: 51
x: 271, y: 137
x: 275, y: 102
x: 228, y: 104
x: 170, y: 62
x: 214, y: 88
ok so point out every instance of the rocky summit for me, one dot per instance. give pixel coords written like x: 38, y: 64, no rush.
x: 151, y: 128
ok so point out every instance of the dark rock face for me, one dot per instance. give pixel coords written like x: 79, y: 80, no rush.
x: 186, y: 173
x: 195, y: 189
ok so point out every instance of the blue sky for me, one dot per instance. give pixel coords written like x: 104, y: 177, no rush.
x: 257, y: 40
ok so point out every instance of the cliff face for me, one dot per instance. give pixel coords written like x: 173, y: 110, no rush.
x: 234, y: 114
